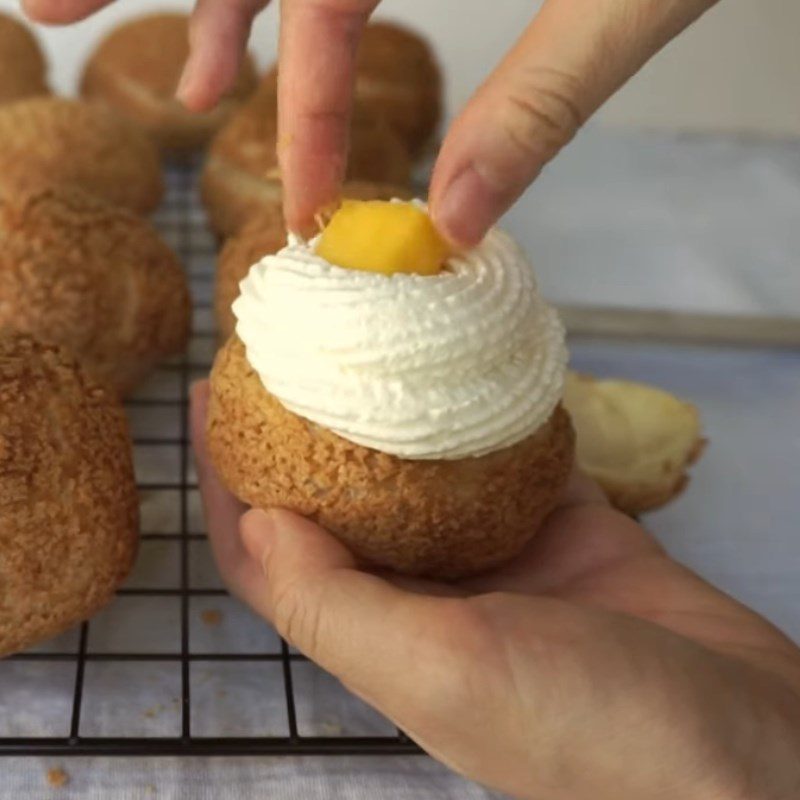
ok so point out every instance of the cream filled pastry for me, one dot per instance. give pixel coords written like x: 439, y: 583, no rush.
x: 457, y: 364
x: 417, y: 416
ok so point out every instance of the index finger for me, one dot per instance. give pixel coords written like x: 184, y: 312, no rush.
x: 59, y: 12
x: 318, y: 43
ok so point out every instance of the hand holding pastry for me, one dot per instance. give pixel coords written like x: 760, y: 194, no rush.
x: 593, y: 666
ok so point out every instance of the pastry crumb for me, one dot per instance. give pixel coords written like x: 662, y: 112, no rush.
x: 153, y: 712
x: 211, y: 617
x: 57, y: 777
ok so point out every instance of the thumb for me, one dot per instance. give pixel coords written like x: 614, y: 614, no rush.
x: 367, y: 631
x: 571, y: 58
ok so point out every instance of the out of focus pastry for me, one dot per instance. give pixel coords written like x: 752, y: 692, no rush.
x: 94, y: 278
x: 398, y: 77
x: 135, y: 70
x: 241, y: 178
x: 635, y: 440
x: 23, y: 70
x: 68, y: 502
x: 262, y: 236
x: 408, y: 403
x: 47, y: 140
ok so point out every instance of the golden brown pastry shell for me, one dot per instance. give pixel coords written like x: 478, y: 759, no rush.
x: 23, y: 70
x: 47, y: 140
x: 398, y: 78
x: 68, y: 503
x: 443, y: 519
x: 93, y: 278
x: 135, y: 70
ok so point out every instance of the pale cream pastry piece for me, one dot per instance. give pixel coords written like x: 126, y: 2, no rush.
x: 265, y: 235
x: 241, y: 180
x: 135, y: 70
x: 47, y: 140
x: 417, y: 417
x: 635, y: 440
x: 94, y: 278
x: 23, y: 69
x: 68, y: 501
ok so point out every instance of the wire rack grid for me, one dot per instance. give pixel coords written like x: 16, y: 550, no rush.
x: 165, y: 671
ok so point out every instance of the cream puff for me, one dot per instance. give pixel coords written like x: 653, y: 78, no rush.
x: 398, y: 78
x: 68, y: 501
x: 47, y: 140
x: 241, y: 178
x: 94, y: 278
x: 135, y: 70
x: 23, y: 70
x: 413, y: 407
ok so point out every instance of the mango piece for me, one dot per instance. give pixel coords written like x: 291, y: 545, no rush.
x: 384, y: 237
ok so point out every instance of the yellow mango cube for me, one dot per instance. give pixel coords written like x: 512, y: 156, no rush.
x: 384, y: 237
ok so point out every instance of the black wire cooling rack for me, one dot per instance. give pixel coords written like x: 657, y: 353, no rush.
x: 182, y: 222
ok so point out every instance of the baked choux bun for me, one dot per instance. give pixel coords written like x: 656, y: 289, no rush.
x: 265, y: 235
x: 23, y: 70
x: 47, y: 140
x: 635, y: 440
x: 94, y: 278
x: 406, y: 397
x: 398, y: 77
x: 438, y: 518
x: 135, y: 70
x: 240, y: 178
x: 68, y: 501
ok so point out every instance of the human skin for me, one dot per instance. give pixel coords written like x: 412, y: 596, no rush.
x: 593, y: 666
x: 566, y: 63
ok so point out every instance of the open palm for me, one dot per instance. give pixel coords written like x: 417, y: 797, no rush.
x: 593, y: 666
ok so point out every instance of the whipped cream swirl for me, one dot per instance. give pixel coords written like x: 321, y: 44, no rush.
x: 457, y: 364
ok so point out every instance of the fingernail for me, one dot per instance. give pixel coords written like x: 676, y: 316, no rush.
x: 258, y: 531
x: 468, y: 208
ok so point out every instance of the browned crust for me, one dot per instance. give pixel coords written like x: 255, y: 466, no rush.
x: 262, y: 236
x: 54, y: 140
x: 23, y: 71
x: 136, y: 70
x: 241, y: 174
x: 265, y: 234
x: 399, y: 78
x: 94, y: 278
x: 68, y: 503
x: 439, y: 518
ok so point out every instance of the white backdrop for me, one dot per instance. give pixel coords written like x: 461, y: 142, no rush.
x: 737, y: 69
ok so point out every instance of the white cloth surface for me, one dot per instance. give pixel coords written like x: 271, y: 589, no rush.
x: 637, y: 220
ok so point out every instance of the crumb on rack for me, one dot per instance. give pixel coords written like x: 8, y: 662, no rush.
x: 211, y: 617
x: 57, y: 777
x: 154, y: 711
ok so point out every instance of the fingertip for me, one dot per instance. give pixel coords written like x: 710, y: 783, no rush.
x: 465, y: 209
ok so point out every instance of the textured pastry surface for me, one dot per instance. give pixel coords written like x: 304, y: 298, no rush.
x: 94, y: 278
x: 23, y: 71
x: 240, y: 178
x: 136, y: 70
x: 68, y: 502
x: 54, y: 140
x: 438, y: 518
x: 635, y: 440
x: 397, y: 77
